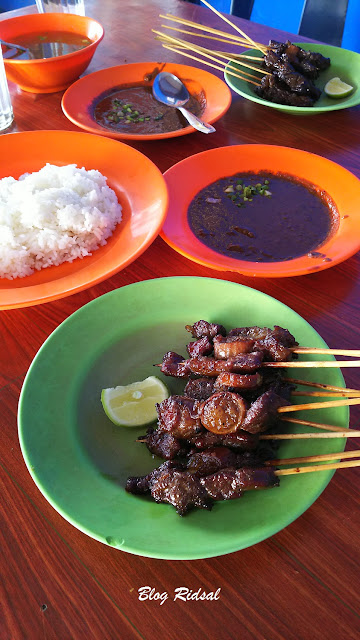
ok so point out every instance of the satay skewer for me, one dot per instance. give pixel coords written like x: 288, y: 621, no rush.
x: 353, y: 353
x: 316, y: 425
x: 321, y: 364
x: 319, y: 458
x: 319, y: 405
x: 213, y: 66
x: 320, y: 467
x: 349, y: 433
x: 201, y: 27
x: 176, y: 42
x: 327, y: 394
x: 320, y: 385
x: 234, y: 26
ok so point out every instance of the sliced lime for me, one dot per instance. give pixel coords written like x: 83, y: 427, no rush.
x: 336, y: 88
x: 133, y: 405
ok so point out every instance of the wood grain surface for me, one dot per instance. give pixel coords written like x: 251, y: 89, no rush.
x: 301, y: 584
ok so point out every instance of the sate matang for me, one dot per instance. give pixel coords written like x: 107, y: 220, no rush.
x: 209, y: 435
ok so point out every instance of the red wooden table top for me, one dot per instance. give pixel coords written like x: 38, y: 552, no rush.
x: 302, y: 583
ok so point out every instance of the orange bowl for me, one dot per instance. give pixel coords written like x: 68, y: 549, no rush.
x: 48, y: 75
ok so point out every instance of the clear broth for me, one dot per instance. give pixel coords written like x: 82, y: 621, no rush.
x: 48, y: 45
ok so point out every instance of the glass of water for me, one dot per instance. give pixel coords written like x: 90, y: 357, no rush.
x: 61, y: 6
x: 6, y: 112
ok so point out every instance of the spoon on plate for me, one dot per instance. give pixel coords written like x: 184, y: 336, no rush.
x: 169, y: 90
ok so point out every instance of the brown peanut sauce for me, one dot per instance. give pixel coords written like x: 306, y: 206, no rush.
x: 285, y: 218
x: 146, y: 115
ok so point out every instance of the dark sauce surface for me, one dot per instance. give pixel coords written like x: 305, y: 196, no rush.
x: 46, y: 45
x: 293, y: 219
x: 146, y: 115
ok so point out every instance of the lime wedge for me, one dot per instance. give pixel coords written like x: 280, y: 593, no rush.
x: 335, y: 88
x: 134, y: 404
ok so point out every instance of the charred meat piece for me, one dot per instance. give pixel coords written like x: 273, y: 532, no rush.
x: 201, y: 347
x: 203, y: 463
x: 228, y: 347
x: 208, y: 461
x: 203, y: 328
x: 243, y: 363
x: 316, y: 59
x: 230, y: 483
x: 274, y: 90
x: 175, y: 365
x: 141, y: 484
x: 275, y: 344
x: 239, y: 441
x: 238, y: 381
x: 179, y: 415
x: 223, y: 412
x: 200, y: 388
x: 164, y: 444
x: 181, y: 489
x: 263, y: 412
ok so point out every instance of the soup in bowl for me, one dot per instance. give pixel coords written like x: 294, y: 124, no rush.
x: 58, y: 47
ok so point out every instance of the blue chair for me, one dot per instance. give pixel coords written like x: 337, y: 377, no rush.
x: 335, y: 22
x: 9, y: 5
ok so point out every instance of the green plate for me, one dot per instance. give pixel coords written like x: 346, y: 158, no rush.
x: 80, y: 460
x: 345, y: 64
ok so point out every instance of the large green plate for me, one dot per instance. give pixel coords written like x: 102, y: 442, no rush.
x: 345, y: 64
x: 80, y: 460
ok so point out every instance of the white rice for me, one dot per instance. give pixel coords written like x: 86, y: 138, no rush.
x: 52, y: 216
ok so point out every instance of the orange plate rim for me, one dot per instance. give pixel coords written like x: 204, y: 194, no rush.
x: 77, y: 99
x: 144, y: 210
x: 186, y: 178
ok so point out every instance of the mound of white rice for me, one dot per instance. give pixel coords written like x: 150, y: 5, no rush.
x: 52, y: 216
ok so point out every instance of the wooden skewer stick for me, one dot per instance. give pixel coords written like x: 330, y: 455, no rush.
x: 234, y: 26
x: 319, y: 405
x: 350, y: 433
x: 202, y: 27
x: 327, y: 394
x: 319, y: 467
x: 203, y: 35
x: 319, y: 458
x: 207, y: 52
x: 314, y: 363
x: 316, y: 425
x: 213, y: 66
x: 320, y: 385
x: 352, y: 353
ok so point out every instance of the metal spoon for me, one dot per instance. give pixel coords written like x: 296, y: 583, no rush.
x: 11, y: 45
x: 169, y: 90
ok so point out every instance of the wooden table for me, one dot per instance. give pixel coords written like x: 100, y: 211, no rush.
x: 303, y: 583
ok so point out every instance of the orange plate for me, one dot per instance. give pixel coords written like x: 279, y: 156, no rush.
x: 78, y: 99
x: 188, y: 177
x: 141, y: 191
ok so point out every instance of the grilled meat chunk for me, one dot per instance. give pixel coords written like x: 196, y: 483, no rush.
x: 230, y: 483
x: 203, y: 328
x: 200, y: 388
x: 179, y: 415
x: 238, y: 381
x: 201, y: 347
x: 164, y: 444
x: 181, y: 489
x: 243, y: 363
x: 239, y: 441
x: 263, y: 412
x: 228, y: 347
x: 175, y: 365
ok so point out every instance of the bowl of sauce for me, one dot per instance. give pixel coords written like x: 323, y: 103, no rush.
x: 58, y: 48
x: 262, y: 211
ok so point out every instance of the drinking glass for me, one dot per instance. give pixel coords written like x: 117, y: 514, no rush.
x: 61, y: 6
x: 6, y: 112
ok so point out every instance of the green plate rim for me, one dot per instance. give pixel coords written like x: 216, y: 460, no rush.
x: 166, y: 284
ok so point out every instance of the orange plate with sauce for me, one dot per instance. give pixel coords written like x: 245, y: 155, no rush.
x: 143, y: 210
x: 188, y: 177
x: 78, y: 101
